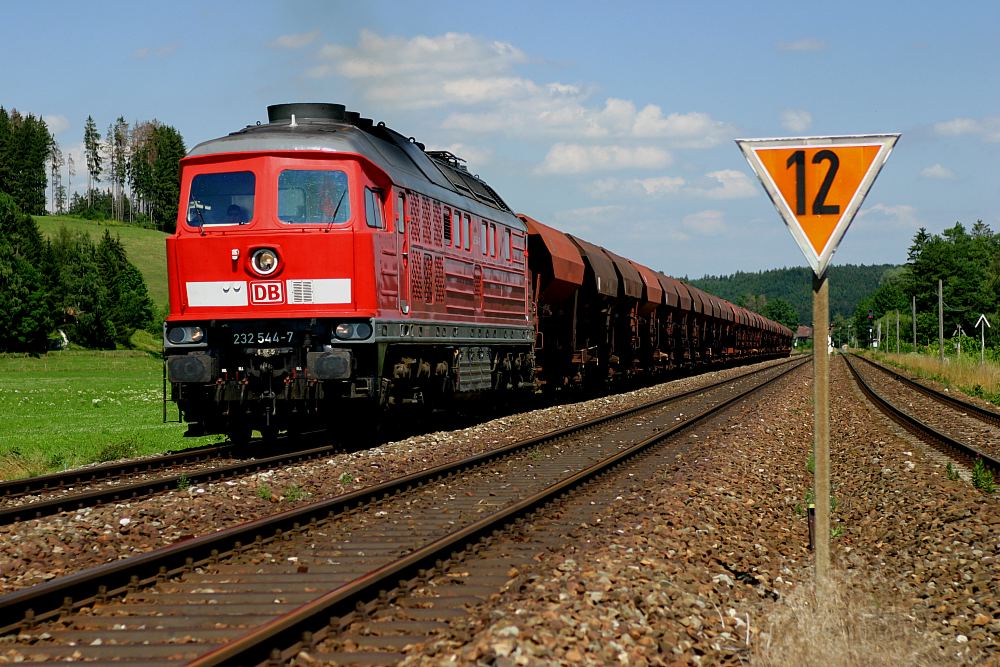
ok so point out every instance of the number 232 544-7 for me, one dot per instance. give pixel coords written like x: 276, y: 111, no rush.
x: 262, y: 337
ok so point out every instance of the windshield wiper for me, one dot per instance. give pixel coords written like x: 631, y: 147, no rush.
x: 201, y: 217
x: 336, y: 211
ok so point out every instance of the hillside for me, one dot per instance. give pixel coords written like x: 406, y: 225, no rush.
x: 849, y: 285
x: 145, y: 247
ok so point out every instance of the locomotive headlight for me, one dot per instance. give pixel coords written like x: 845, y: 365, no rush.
x: 185, y: 335
x: 362, y: 330
x: 352, y: 330
x: 264, y: 261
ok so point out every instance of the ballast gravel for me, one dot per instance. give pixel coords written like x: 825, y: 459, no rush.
x: 697, y: 569
x: 38, y: 550
x: 692, y: 570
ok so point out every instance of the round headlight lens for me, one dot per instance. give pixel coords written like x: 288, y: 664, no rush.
x: 344, y: 331
x: 185, y: 335
x: 264, y: 261
x: 363, y: 330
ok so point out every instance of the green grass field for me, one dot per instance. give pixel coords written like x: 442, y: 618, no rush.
x: 146, y: 248
x: 74, y: 407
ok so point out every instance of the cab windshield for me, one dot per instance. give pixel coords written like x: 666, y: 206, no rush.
x: 313, y: 196
x: 221, y: 199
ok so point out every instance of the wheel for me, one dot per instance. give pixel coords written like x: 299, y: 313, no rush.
x: 239, y: 434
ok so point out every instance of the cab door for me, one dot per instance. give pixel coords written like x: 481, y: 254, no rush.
x: 403, y: 252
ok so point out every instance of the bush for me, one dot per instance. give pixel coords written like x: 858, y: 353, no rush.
x: 982, y: 478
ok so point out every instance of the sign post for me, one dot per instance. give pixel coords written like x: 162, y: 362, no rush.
x: 818, y: 184
x: 982, y: 323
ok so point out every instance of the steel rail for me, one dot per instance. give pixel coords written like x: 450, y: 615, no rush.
x: 981, y: 413
x: 917, y: 427
x: 124, y: 492
x: 64, y: 594
x: 308, y: 622
x: 60, y: 480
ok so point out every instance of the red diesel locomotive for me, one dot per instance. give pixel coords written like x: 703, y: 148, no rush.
x: 324, y: 264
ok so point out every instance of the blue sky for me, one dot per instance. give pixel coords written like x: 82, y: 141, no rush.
x: 612, y: 121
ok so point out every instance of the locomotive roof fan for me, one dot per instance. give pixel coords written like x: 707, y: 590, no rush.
x: 306, y: 110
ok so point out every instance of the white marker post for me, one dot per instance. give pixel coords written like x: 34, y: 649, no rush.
x: 817, y: 184
x: 982, y: 323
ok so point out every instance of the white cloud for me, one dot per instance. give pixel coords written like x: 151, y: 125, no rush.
x: 723, y: 184
x: 296, y: 41
x: 452, y: 53
x: 475, y: 79
x: 900, y: 215
x: 796, y: 120
x: 937, y: 172
x: 731, y: 184
x: 487, y: 90
x: 805, y: 44
x: 705, y: 223
x: 988, y: 128
x: 56, y: 123
x: 589, y: 214
x: 578, y: 159
x: 694, y: 129
x: 653, y: 187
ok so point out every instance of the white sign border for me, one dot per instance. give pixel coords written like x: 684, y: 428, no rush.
x: 819, y: 262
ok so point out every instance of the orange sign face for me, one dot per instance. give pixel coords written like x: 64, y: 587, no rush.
x: 818, y: 184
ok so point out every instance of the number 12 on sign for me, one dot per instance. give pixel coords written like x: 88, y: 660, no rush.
x: 819, y: 205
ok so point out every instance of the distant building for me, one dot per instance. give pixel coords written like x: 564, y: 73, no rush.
x: 803, y: 335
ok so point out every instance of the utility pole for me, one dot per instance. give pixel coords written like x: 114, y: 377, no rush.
x: 914, y: 325
x: 897, y: 331
x: 941, y: 321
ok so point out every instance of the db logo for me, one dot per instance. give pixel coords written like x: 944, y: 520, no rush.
x: 266, y: 293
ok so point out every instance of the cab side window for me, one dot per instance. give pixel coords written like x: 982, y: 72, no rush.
x: 373, y: 209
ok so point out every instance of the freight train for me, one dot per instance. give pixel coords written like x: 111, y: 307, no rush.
x: 325, y: 266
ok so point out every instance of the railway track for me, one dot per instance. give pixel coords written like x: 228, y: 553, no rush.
x: 236, y: 595
x: 114, y: 485
x: 961, y: 429
x: 60, y: 481
x: 123, y: 481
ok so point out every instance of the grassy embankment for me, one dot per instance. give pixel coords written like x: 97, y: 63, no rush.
x: 965, y: 374
x: 145, y: 248
x: 75, y: 407
x: 82, y: 406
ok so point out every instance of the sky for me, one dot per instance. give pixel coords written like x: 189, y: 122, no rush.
x: 611, y: 121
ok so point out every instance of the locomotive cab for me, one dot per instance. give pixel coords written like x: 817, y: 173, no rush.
x: 272, y: 293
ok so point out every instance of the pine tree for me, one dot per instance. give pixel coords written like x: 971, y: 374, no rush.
x: 6, y: 152
x: 55, y: 165
x: 169, y: 149
x: 25, y: 144
x: 25, y: 308
x: 130, y: 305
x: 92, y: 150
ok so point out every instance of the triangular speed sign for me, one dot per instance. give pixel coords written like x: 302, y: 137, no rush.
x: 818, y: 184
